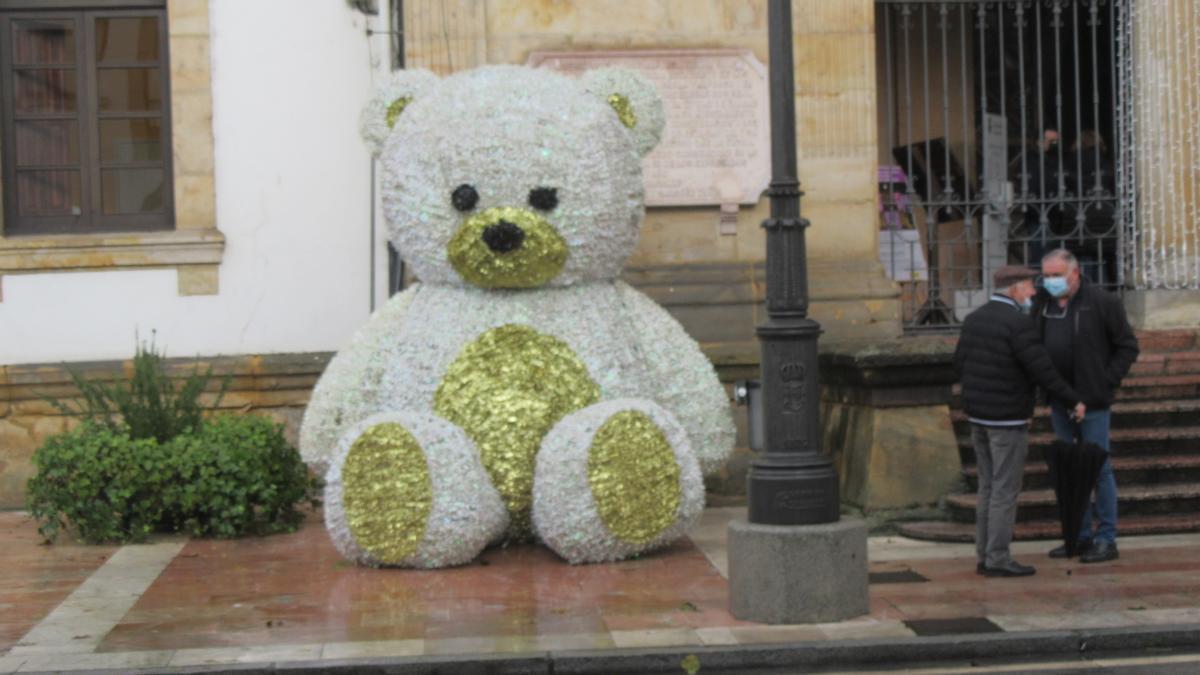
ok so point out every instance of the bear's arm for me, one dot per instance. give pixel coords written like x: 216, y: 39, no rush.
x: 348, y: 390
x: 682, y: 378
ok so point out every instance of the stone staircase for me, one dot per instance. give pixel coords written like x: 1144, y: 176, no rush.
x: 1155, y: 453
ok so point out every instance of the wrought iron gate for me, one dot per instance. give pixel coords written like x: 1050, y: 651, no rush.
x: 1000, y: 141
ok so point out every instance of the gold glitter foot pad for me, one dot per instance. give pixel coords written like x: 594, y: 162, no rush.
x: 386, y: 492
x: 409, y: 490
x: 615, y: 479
x: 633, y: 477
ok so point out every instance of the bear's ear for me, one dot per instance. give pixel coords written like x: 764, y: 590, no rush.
x: 388, y: 101
x: 634, y: 101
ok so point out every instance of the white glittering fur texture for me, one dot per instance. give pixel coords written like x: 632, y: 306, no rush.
x: 506, y: 130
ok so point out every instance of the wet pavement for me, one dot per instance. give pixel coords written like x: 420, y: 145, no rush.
x: 178, y: 602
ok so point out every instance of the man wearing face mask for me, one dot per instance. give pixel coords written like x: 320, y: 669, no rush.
x: 999, y: 360
x: 1048, y: 177
x: 1092, y: 346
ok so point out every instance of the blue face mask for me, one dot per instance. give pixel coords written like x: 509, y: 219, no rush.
x: 1056, y: 286
x: 1027, y: 305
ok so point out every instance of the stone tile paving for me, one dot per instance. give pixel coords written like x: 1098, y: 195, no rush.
x: 34, y: 577
x: 297, y: 589
x: 291, y: 597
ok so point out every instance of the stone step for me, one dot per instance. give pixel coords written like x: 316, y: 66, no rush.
x: 1156, y: 451
x: 1175, y: 340
x: 1133, y: 500
x: 1166, y: 363
x: 1147, y: 470
x: 1161, y: 441
x: 1125, y: 415
x: 1158, y: 387
x: 946, y: 531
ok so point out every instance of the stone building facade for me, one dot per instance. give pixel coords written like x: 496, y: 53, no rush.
x: 276, y: 253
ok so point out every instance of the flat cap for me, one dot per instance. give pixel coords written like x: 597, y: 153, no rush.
x: 1010, y: 274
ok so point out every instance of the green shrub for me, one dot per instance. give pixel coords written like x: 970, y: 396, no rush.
x: 238, y: 476
x: 150, y: 404
x: 229, y: 476
x: 100, y: 483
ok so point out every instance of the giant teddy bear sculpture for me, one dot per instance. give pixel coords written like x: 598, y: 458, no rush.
x: 520, y: 390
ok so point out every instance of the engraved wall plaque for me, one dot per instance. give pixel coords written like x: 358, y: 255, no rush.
x: 717, y: 145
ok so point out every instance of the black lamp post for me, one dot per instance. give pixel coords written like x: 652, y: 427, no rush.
x: 791, y: 482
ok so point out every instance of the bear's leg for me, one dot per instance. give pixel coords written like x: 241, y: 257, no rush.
x: 613, y: 480
x: 409, y: 490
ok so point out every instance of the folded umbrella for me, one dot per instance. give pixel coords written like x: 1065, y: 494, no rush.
x: 1074, y: 469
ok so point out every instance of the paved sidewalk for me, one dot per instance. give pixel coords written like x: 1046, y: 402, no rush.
x: 292, y: 599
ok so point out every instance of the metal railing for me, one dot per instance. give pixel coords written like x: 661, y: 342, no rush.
x: 998, y: 126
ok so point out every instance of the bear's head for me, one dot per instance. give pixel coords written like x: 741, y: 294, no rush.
x: 507, y: 177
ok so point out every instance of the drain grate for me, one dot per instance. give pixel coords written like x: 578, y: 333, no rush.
x: 960, y: 626
x: 899, y: 577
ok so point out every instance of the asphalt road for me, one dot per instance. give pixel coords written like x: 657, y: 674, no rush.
x: 1147, y: 662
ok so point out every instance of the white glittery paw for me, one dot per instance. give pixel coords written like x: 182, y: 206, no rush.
x: 409, y: 490
x: 613, y: 480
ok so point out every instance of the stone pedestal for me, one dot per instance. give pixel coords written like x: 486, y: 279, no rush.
x: 798, y: 574
x: 885, y: 413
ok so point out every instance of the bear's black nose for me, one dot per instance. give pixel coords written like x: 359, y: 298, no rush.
x: 503, y: 236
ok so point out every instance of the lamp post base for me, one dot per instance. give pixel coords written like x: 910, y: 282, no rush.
x: 781, y: 574
x: 793, y: 495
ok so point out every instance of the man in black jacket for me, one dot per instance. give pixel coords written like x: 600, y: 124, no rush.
x: 1092, y: 345
x: 999, y: 360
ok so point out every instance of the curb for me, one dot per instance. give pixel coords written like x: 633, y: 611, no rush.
x: 748, y: 659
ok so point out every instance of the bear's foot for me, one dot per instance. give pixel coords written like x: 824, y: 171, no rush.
x: 409, y: 490
x: 613, y: 480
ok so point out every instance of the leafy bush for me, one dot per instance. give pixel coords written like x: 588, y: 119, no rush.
x: 101, y: 483
x: 234, y: 475
x: 146, y: 459
x: 237, y: 476
x: 150, y: 404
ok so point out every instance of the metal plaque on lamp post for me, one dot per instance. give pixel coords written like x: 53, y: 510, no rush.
x: 794, y: 560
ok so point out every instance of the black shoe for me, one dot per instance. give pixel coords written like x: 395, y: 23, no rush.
x: 1080, y: 549
x: 979, y: 568
x: 1101, y: 551
x: 1010, y: 569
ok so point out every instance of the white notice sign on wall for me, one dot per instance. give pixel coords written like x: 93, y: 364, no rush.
x: 902, y: 256
x: 717, y: 144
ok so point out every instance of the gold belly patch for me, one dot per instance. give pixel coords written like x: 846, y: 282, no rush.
x: 506, y: 389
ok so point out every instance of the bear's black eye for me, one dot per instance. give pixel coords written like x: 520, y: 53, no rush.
x: 464, y: 197
x: 543, y: 198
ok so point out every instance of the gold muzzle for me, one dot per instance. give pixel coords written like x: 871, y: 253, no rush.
x: 507, y: 247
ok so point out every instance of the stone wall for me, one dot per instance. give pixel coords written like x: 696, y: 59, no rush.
x: 277, y: 386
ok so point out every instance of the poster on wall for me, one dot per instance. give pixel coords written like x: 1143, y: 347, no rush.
x: 902, y: 257
x: 900, y: 248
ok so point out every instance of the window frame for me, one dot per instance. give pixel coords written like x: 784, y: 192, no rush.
x: 80, y: 5
x: 88, y: 117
